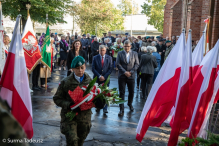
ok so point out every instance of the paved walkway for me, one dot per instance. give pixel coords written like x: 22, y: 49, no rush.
x: 107, y: 130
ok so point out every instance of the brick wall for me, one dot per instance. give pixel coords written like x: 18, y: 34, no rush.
x: 205, y: 13
x: 215, y: 30
x: 175, y: 26
x: 194, y: 18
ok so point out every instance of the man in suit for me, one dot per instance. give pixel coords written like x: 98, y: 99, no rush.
x: 127, y: 62
x: 102, y: 67
x: 112, y: 39
x: 84, y: 43
x: 95, y: 47
x: 161, y: 50
x: 89, y: 40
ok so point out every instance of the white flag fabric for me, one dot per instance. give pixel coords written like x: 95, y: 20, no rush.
x: 2, y: 50
x: 15, y: 84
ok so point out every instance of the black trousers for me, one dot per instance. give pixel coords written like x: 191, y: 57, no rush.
x: 146, y: 80
x: 122, y: 81
x: 138, y: 78
x: 89, y: 54
x: 86, y: 54
x: 35, y: 75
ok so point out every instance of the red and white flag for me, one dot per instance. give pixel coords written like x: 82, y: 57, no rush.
x: 2, y: 50
x: 197, y: 55
x: 179, y: 123
x: 30, y: 45
x: 162, y: 96
x: 201, y: 93
x: 15, y: 85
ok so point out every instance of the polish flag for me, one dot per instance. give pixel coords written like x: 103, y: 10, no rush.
x: 179, y: 119
x: 15, y: 85
x: 201, y: 93
x: 164, y: 90
x: 197, y: 55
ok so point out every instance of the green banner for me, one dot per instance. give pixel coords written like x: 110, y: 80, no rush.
x: 46, y: 50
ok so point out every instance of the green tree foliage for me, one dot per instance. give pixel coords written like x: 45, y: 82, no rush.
x: 127, y: 7
x: 154, y: 9
x: 55, y: 9
x: 97, y: 16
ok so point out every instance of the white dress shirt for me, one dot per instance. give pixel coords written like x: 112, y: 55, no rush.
x: 77, y: 78
x: 127, y: 56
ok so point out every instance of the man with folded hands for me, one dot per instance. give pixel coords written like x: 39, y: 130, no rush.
x: 76, y: 130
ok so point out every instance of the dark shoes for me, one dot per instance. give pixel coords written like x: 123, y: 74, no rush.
x: 121, y: 113
x: 131, y: 108
x: 97, y: 110
x: 105, y: 111
x: 35, y: 88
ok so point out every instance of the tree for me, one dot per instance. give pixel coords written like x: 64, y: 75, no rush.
x: 155, y: 11
x: 97, y: 16
x: 38, y: 11
x: 127, y: 7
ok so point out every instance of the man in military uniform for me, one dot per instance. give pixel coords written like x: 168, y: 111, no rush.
x: 147, y: 43
x: 168, y: 48
x: 76, y: 130
x: 10, y: 128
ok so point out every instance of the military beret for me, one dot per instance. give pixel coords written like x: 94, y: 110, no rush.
x: 147, y: 37
x: 126, y: 33
x: 77, y: 61
x: 158, y: 37
x: 168, y: 41
x: 84, y: 35
x: 160, y: 40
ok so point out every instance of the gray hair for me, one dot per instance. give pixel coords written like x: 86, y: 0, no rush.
x: 72, y: 35
x: 118, y: 39
x: 149, y: 48
x: 154, y: 43
x: 62, y: 36
x: 143, y: 49
x: 154, y: 49
x: 106, y: 39
x: 127, y: 42
x: 78, y: 36
x: 102, y: 47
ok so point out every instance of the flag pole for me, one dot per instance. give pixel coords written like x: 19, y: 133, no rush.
x: 28, y: 7
x: 46, y: 66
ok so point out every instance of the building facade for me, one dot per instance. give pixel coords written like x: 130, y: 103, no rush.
x: 191, y: 15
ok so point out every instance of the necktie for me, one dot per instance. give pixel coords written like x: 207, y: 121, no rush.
x: 102, y: 62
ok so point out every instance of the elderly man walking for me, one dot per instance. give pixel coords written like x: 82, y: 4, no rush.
x: 102, y: 67
x: 127, y: 63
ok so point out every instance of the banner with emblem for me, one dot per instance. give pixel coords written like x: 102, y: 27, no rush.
x: 46, y: 50
x: 2, y: 51
x: 30, y: 45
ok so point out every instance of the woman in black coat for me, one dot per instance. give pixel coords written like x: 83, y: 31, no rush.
x: 63, y: 52
x: 75, y: 51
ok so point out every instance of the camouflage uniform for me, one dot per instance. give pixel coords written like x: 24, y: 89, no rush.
x: 145, y: 44
x: 10, y: 128
x: 76, y: 130
x: 168, y: 50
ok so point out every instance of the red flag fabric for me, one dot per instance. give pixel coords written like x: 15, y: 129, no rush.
x: 163, y: 93
x: 30, y: 45
x: 179, y: 119
x: 15, y: 85
x: 201, y: 93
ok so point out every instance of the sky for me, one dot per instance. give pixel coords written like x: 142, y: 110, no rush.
x: 116, y: 2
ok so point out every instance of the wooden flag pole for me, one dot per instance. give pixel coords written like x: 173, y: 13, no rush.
x: 46, y: 66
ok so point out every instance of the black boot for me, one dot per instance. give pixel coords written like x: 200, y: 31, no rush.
x: 121, y: 112
x: 131, y: 107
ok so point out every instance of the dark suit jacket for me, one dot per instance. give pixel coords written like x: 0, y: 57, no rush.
x: 139, y: 58
x: 84, y: 43
x: 63, y: 46
x: 123, y: 66
x: 97, y: 68
x: 89, y: 42
x: 147, y: 64
x: 71, y: 56
x: 112, y: 38
x: 161, y: 49
x: 94, y: 48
